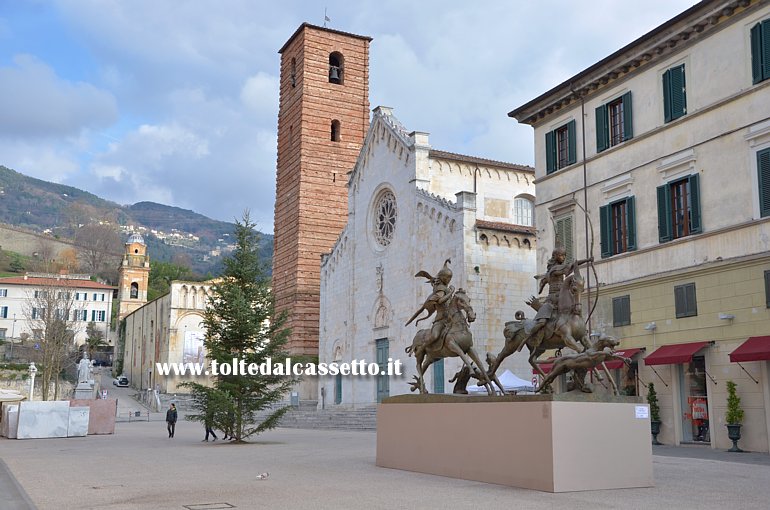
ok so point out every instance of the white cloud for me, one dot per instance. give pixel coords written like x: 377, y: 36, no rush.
x: 260, y: 94
x: 35, y: 102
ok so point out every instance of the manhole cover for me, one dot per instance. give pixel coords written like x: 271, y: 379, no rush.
x: 208, y: 506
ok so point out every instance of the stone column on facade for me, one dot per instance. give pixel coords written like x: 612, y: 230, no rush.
x: 421, y: 159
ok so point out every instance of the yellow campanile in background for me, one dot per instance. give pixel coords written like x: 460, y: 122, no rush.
x: 134, y: 275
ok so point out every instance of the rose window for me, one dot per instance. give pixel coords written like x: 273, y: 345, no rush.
x: 385, y: 217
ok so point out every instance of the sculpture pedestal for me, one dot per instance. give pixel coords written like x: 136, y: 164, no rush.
x: 84, y: 391
x: 553, y: 443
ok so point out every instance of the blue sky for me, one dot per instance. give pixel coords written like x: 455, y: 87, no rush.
x: 176, y: 102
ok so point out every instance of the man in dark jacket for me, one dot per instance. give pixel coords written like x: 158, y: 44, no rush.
x: 171, y: 419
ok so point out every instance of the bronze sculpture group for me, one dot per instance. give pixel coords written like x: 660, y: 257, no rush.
x: 559, y: 323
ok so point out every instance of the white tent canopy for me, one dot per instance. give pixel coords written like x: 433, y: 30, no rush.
x: 509, y: 381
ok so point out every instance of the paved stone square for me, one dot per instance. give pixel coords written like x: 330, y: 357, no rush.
x: 140, y: 468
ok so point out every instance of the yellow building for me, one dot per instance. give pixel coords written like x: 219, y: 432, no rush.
x: 666, y: 144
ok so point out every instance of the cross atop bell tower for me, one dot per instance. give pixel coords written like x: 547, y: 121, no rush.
x: 322, y: 121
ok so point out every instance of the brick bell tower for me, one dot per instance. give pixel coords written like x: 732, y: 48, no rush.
x: 322, y: 121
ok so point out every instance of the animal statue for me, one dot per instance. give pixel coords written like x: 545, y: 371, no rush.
x: 457, y: 340
x: 580, y: 363
x: 566, y: 329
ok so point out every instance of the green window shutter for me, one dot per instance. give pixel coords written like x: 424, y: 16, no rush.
x: 564, y: 236
x: 383, y: 383
x: 692, y: 302
x: 602, y: 129
x: 756, y: 53
x: 767, y: 289
x: 631, y: 211
x: 664, y: 213
x: 628, y: 119
x: 338, y: 389
x: 438, y: 376
x: 678, y: 94
x: 680, y: 301
x: 572, y: 141
x: 667, y: 96
x: 617, y: 312
x: 550, y: 152
x: 766, y: 49
x: 695, y: 220
x: 763, y: 170
x: 605, y: 224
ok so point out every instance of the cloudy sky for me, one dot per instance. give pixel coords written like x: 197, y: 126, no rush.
x: 176, y: 101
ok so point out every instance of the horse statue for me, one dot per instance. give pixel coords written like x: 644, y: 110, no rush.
x: 456, y: 340
x: 566, y: 329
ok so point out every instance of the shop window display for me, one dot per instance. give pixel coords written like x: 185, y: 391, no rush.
x: 695, y: 417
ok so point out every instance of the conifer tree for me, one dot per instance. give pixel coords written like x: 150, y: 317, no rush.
x: 241, y: 324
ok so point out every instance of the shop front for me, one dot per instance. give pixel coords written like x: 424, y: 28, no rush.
x: 688, y: 364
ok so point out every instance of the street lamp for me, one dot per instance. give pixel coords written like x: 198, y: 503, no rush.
x: 32, y: 372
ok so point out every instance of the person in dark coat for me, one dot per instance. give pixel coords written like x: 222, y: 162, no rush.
x: 171, y: 417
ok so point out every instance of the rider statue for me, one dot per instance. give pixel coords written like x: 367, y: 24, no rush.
x: 436, y: 302
x: 557, y: 270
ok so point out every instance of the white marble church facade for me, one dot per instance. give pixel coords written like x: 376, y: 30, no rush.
x: 410, y: 208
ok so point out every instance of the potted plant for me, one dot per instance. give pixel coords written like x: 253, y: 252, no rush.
x: 652, y: 399
x: 734, y: 416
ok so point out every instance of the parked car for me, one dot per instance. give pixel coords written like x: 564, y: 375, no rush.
x: 121, y: 381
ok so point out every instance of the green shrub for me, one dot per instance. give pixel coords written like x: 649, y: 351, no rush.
x: 652, y: 399
x: 734, y: 414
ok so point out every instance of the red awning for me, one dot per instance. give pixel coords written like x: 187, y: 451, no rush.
x: 546, y: 365
x: 756, y: 348
x: 675, y: 354
x: 616, y: 363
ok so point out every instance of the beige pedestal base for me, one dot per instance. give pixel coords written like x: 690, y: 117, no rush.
x: 543, y: 442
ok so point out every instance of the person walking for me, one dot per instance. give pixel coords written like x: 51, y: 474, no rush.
x: 208, y: 424
x: 171, y: 416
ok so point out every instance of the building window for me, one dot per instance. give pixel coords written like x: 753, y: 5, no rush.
x: 763, y: 171
x: 336, y: 68
x: 760, y: 51
x: 383, y: 382
x: 438, y: 376
x: 335, y: 131
x: 2, y: 333
x: 767, y: 289
x: 338, y: 389
x: 3, y: 312
x: 685, y: 301
x: 37, y: 334
x: 102, y: 297
x: 41, y: 294
x: 679, y: 209
x: 674, y: 93
x: 134, y: 290
x: 564, y: 236
x: 3, y: 292
x: 523, y: 212
x: 385, y: 214
x: 560, y: 147
x: 293, y: 72
x: 621, y: 311
x: 618, y: 227
x: 614, y: 123
x: 38, y: 313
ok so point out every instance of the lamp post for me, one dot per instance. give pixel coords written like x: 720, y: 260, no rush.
x: 32, y: 372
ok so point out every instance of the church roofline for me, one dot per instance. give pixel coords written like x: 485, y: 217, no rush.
x: 324, y: 29
x: 438, y: 154
x: 505, y: 227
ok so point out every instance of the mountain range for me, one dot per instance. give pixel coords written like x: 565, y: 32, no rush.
x: 59, y: 210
